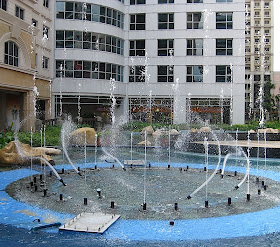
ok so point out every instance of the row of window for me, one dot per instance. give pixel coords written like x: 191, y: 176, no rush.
x: 102, y: 42
x: 89, y: 12
x: 165, y: 73
x: 108, y: 71
x: 88, y: 69
x: 89, y: 40
x: 224, y: 47
x: 194, y: 21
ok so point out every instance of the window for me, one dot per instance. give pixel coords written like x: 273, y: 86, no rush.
x: 194, y: 21
x: 194, y: 47
x: 137, y: 22
x: 224, y: 1
x: 46, y: 3
x: 45, y: 62
x: 165, y: 47
x: 11, y: 55
x: 194, y: 1
x: 45, y: 32
x: 165, y: 1
x: 137, y: 73
x: 133, y: 2
x: 266, y: 22
x: 195, y: 73
x: 224, y: 47
x: 224, y: 20
x: 19, y: 12
x: 165, y: 73
x: 223, y: 73
x: 88, y: 69
x: 3, y: 4
x: 166, y: 21
x: 266, y: 4
x: 34, y: 23
x: 137, y: 47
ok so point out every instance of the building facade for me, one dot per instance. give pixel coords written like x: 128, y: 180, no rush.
x: 25, y: 62
x: 258, y: 52
x: 151, y: 60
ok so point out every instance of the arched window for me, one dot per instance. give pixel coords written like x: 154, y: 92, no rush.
x: 11, y: 53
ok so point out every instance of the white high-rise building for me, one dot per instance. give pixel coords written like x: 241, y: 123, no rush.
x: 157, y: 58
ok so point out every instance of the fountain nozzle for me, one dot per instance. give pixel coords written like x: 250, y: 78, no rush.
x: 80, y: 174
x: 61, y: 180
x: 124, y: 168
x: 236, y: 187
x: 189, y: 197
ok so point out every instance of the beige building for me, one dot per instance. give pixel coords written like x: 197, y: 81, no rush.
x: 25, y: 62
x: 258, y: 52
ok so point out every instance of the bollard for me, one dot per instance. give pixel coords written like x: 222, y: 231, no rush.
x: 112, y: 204
x: 206, y: 204
x: 168, y: 167
x: 220, y: 170
x: 262, y: 183
x: 235, y: 173
x: 95, y: 167
x: 62, y: 171
x: 176, y: 206
x: 41, y: 177
x: 259, y: 192
x: 187, y: 167
x: 265, y: 187
x: 34, y: 180
x: 79, y: 168
x: 85, y: 201
x: 204, y: 169
x: 113, y: 166
x: 149, y: 165
x: 35, y: 188
x: 61, y: 197
x: 229, y: 201
x: 45, y: 192
x: 257, y: 180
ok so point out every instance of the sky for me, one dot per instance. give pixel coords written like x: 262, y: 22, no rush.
x: 276, y: 35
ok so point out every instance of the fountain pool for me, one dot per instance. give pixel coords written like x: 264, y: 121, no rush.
x: 193, y: 223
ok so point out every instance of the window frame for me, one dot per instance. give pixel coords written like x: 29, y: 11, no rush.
x: 193, y: 24
x: 224, y: 23
x: 165, y: 73
x: 11, y: 53
x: 193, y: 50
x: 226, y: 76
x: 226, y: 50
x: 168, y: 49
x: 19, y: 12
x: 137, y: 73
x: 134, y: 51
x: 168, y: 23
x: 136, y: 23
x: 191, y: 77
x: 3, y: 4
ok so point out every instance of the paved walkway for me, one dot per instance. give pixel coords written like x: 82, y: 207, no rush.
x: 244, y: 143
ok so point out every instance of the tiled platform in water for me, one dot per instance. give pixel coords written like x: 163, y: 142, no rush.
x: 90, y: 222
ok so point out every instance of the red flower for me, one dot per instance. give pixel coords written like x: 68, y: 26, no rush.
x: 3, y: 130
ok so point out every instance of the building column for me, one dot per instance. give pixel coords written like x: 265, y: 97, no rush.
x: 28, y: 111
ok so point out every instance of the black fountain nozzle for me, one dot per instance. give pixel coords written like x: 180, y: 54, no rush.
x: 236, y: 187
x: 229, y: 201
x: 149, y: 165
x: 222, y: 175
x: 85, y: 201
x: 168, y: 167
x: 206, y: 204
x: 248, y: 197
x: 80, y: 174
x: 144, y: 206
x: 61, y: 181
x: 189, y: 197
x: 112, y: 204
x: 176, y: 206
x: 124, y: 168
x: 98, y: 192
x: 38, y: 220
